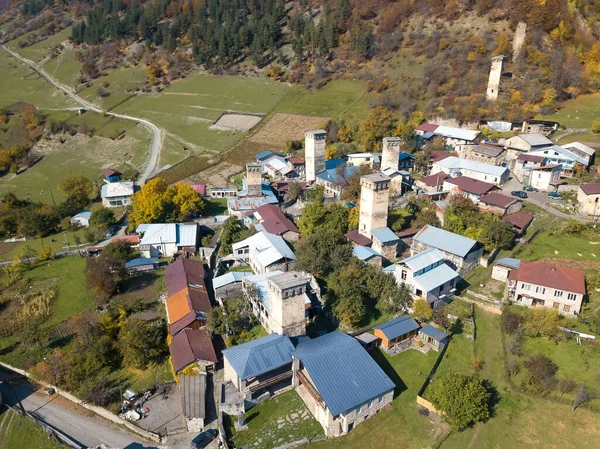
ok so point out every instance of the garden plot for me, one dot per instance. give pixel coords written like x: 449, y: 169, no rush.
x: 283, y: 127
x: 237, y: 122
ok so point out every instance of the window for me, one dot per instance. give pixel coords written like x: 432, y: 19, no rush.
x: 541, y: 290
x: 370, y: 404
x: 403, y: 276
x: 558, y: 293
x: 526, y: 287
x: 556, y: 305
x: 571, y: 296
x: 567, y: 308
x: 419, y: 292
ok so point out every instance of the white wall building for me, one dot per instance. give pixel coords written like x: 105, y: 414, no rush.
x: 116, y: 194
x: 454, y: 166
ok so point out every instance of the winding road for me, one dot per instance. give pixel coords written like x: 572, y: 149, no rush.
x: 157, y: 137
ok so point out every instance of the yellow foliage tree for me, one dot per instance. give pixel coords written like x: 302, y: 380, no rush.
x: 186, y: 200
x: 421, y: 310
x: 148, y: 204
x: 329, y: 152
x: 376, y: 126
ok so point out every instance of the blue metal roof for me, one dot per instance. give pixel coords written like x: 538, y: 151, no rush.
x: 436, y: 277
x: 445, y: 240
x: 342, y: 371
x: 331, y: 175
x: 397, y: 327
x: 264, y: 154
x: 423, y: 259
x: 509, y: 261
x: 230, y: 278
x: 384, y: 235
x: 365, y: 253
x: 334, y: 163
x: 434, y: 333
x: 260, y: 356
x: 405, y: 155
x: 141, y: 261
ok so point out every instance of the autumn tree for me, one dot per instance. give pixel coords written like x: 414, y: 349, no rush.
x: 78, y: 188
x: 422, y: 311
x: 378, y: 124
x: 186, y: 201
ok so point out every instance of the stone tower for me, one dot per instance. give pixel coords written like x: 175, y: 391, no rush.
x: 391, y: 152
x: 286, y: 304
x: 374, y: 200
x: 254, y: 179
x: 494, y: 80
x: 314, y: 153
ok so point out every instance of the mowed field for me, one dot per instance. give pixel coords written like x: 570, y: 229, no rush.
x: 577, y: 113
x: 42, y: 49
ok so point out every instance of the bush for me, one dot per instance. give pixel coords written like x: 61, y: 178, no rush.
x: 541, y: 373
x: 510, y: 321
x: 596, y: 126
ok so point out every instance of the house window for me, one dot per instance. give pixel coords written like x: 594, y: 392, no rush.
x: 558, y: 293
x: 571, y: 296
x: 403, y: 276
x: 541, y: 290
x: 370, y: 404
x: 556, y: 305
x: 418, y: 292
x: 567, y: 308
x: 526, y: 287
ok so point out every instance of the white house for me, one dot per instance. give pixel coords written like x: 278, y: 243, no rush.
x: 545, y: 177
x: 363, y: 159
x: 568, y: 158
x: 588, y: 197
x: 426, y: 275
x: 457, y: 138
x: 582, y: 150
x: 116, y: 194
x: 525, y: 163
x: 82, y: 219
x: 167, y: 239
x: 454, y: 167
x: 265, y: 253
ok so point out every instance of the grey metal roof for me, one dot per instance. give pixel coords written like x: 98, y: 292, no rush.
x: 423, y: 259
x: 365, y: 253
x: 438, y: 276
x: 230, y: 278
x: 509, y: 262
x: 288, y: 279
x: 456, y: 133
x: 560, y: 151
x: 342, y: 371
x: 397, y: 327
x: 384, y: 235
x: 141, y: 261
x: 260, y: 356
x: 366, y: 338
x: 193, y: 395
x: 434, y: 332
x: 266, y: 248
x: 453, y: 162
x: 332, y: 175
x: 445, y: 240
x: 535, y: 139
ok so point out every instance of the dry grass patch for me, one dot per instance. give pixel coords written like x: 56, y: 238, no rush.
x: 283, y: 127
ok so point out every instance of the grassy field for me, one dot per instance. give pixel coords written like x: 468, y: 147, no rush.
x: 8, y: 251
x: 559, y: 246
x: 19, y: 83
x: 39, y: 51
x: 265, y: 423
x: 587, y: 138
x: 121, y: 82
x: 577, y: 113
x: 65, y: 68
x: 19, y: 432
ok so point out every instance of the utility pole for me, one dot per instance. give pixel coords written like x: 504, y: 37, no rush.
x: 52, y: 196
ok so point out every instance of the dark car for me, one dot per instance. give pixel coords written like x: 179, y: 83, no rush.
x: 530, y: 189
x: 555, y: 196
x: 519, y: 193
x: 203, y: 439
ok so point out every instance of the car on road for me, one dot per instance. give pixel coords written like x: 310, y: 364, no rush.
x: 555, y: 196
x: 519, y: 193
x: 530, y: 189
x: 203, y: 439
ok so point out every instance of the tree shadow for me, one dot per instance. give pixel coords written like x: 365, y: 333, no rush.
x: 494, y: 396
x: 456, y: 328
x: 388, y: 369
x: 137, y: 282
x: 8, y: 349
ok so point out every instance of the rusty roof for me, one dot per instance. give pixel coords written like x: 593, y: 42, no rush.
x: 427, y: 127
x: 274, y: 221
x: 471, y: 185
x: 190, y: 346
x: 531, y: 158
x: 183, y: 272
x: 497, y: 199
x: 434, y: 180
x: 358, y: 238
x: 519, y: 219
x: 553, y: 276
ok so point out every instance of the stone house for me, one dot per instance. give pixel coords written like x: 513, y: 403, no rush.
x: 525, y: 163
x: 470, y: 188
x: 484, y: 152
x: 264, y: 252
x: 545, y: 177
x: 499, y: 204
x: 588, y: 197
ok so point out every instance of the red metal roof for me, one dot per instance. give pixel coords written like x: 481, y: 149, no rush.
x: 183, y: 272
x: 427, y: 127
x: 553, y: 276
x: 438, y: 155
x: 592, y: 188
x: 358, y: 238
x: 434, y: 180
x: 407, y: 232
x: 190, y: 346
x: 497, y: 199
x: 133, y: 239
x: 110, y: 172
x: 471, y: 185
x: 531, y: 158
x: 296, y: 160
x: 274, y: 221
x: 519, y: 219
x: 200, y: 189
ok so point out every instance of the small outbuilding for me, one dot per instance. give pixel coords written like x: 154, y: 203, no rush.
x: 82, y: 219
x: 142, y: 264
x: 433, y: 337
x: 503, y: 267
x: 396, y: 330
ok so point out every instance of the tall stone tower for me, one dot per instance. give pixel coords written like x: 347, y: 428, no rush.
x: 391, y: 152
x: 494, y: 80
x: 314, y: 153
x: 254, y: 179
x: 286, y: 304
x: 374, y: 200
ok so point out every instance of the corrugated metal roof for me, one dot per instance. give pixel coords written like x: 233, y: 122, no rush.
x: 260, y: 356
x: 342, y: 371
x: 436, y: 277
x: 85, y: 214
x: 445, y: 240
x: 189, y: 346
x: 434, y: 332
x: 193, y: 395
x: 115, y: 189
x: 230, y: 278
x: 141, y: 261
x: 365, y: 253
x: 508, y: 261
x: 332, y: 175
x: 561, y: 152
x: 266, y: 248
x: 187, y: 234
x: 384, y: 235
x: 456, y: 163
x: 456, y: 133
x: 535, y: 139
x: 334, y: 163
x: 581, y: 147
x: 184, y: 272
x: 423, y: 259
x: 158, y: 233
x: 397, y: 327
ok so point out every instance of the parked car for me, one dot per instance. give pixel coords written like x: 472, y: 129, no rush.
x: 203, y: 439
x: 530, y: 189
x: 555, y: 196
x: 49, y: 391
x: 519, y: 193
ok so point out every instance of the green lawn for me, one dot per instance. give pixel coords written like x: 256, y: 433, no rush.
x: 578, y: 247
x: 587, y: 138
x: 401, y: 426
x: 577, y: 113
x: 40, y: 50
x: 65, y: 68
x: 19, y: 432
x: 8, y: 251
x: 280, y: 420
x: 19, y: 83
x: 122, y: 83
x: 216, y: 206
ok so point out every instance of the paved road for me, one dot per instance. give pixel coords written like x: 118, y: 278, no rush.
x: 156, y: 133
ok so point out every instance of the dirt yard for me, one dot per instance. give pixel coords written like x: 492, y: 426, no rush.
x: 237, y: 122
x: 283, y: 127
x: 215, y: 176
